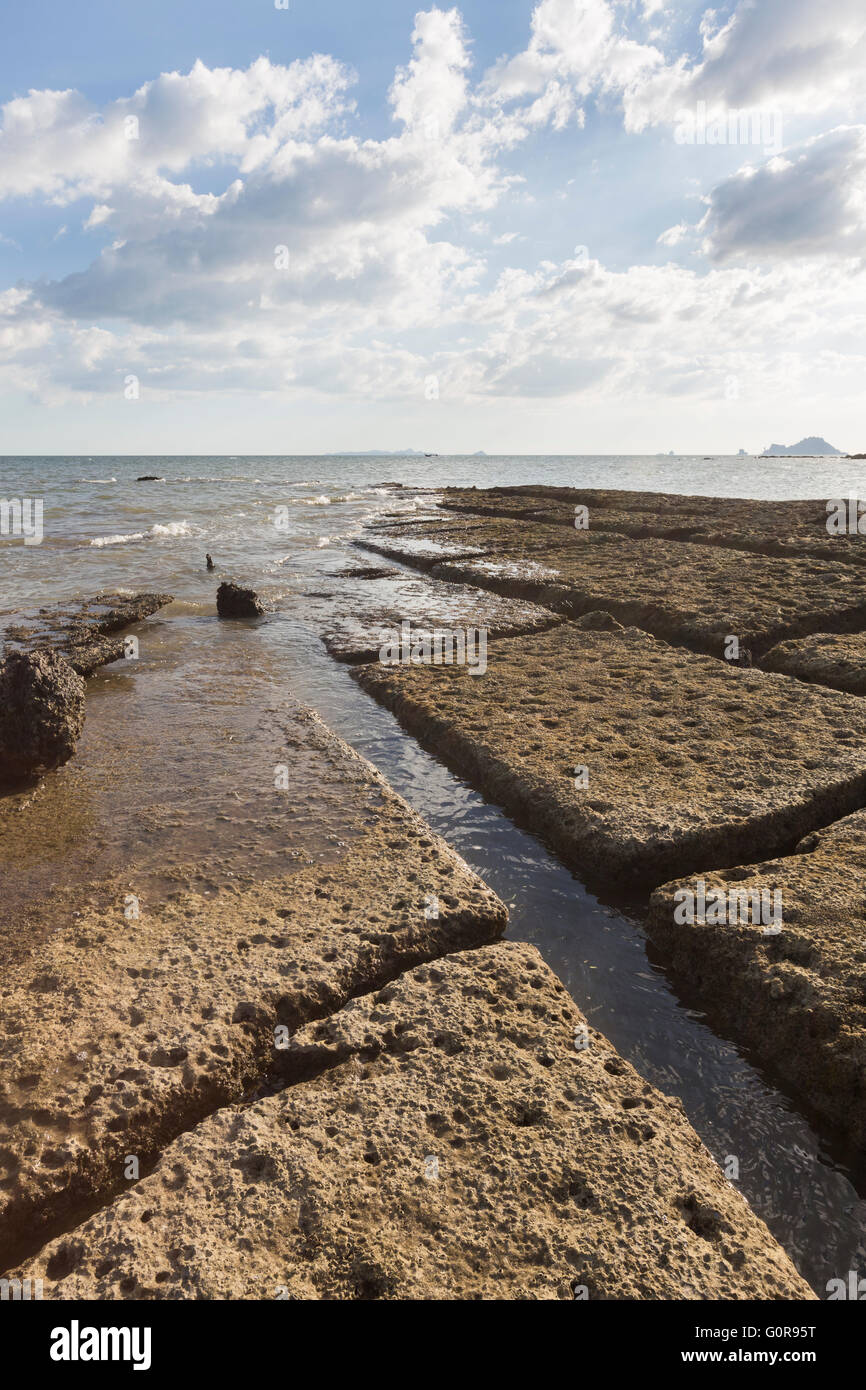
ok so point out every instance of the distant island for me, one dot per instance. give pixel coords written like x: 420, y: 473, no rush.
x: 806, y: 448
x: 397, y: 453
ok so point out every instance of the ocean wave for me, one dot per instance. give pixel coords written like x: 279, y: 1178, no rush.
x: 118, y: 540
x: 158, y: 531
x: 96, y: 480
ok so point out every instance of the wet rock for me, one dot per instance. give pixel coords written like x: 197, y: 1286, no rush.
x: 362, y: 621
x: 364, y: 572
x: 150, y: 478
x: 87, y: 656
x: 444, y: 1138
x: 688, y: 762
x: 41, y: 713
x: 420, y: 551
x: 236, y: 602
x: 796, y: 998
x: 82, y: 632
x: 209, y: 562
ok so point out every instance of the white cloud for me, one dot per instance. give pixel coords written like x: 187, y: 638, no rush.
x: 58, y: 144
x: 793, y: 54
x: 674, y: 235
x: 811, y: 201
x: 376, y: 289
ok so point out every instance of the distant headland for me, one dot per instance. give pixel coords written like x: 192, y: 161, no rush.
x: 805, y: 448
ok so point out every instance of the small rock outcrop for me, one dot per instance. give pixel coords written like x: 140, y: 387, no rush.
x: 41, y: 713
x: 236, y: 602
x: 598, y: 621
x: 82, y: 631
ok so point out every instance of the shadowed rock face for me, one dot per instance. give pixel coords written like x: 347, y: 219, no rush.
x: 235, y: 602
x: 41, y: 713
x: 446, y: 1137
x: 689, y: 761
x: 797, y: 998
x: 826, y: 658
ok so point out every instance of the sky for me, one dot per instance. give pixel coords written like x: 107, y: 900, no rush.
x: 569, y: 227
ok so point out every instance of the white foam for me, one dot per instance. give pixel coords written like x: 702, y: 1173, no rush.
x: 156, y: 532
x: 117, y: 540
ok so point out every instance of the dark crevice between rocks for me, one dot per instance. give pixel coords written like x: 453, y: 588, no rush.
x: 32, y: 1225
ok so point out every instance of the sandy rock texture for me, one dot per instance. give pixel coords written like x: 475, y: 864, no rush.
x: 129, y: 1025
x: 694, y: 595
x: 780, y: 528
x: 410, y: 537
x: 82, y: 632
x: 798, y: 999
x: 689, y: 761
x: 827, y: 658
x: 41, y: 713
x: 444, y: 1138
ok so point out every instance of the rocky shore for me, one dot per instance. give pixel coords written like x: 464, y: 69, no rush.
x: 330, y: 1078
x: 645, y: 745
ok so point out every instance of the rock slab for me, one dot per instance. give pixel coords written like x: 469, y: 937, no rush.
x: 459, y: 1134
x: 132, y: 1022
x: 687, y: 762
